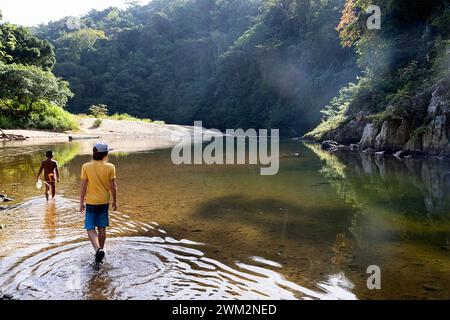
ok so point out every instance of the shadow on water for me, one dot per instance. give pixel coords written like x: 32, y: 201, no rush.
x: 304, y: 241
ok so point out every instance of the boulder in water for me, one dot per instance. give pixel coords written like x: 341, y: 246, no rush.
x: 6, y: 199
x: 330, y: 145
x: 398, y: 154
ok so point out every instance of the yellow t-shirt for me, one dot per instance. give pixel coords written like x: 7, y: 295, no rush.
x: 99, y: 175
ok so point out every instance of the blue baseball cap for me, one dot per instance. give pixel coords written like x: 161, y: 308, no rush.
x: 102, y: 147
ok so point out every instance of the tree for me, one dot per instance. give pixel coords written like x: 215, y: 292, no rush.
x: 249, y: 63
x: 18, y: 45
x: 99, y: 111
x: 22, y: 87
x: 70, y: 46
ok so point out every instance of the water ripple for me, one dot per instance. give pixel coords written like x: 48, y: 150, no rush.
x: 140, y: 268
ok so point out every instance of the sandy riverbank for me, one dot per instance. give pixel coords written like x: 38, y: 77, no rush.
x: 109, y: 129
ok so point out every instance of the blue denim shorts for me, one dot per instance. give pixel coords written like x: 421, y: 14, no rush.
x: 96, y: 216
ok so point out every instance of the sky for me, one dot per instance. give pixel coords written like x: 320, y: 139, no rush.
x: 33, y: 12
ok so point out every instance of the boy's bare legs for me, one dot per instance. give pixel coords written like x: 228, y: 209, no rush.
x: 98, y: 241
x: 46, y: 191
x: 101, y: 237
x: 93, y: 237
x: 53, y: 189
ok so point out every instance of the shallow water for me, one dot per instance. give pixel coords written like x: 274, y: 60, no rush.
x: 225, y: 232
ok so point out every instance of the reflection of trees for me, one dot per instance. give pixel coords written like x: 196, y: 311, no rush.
x: 334, y: 171
x: 405, y: 187
x: 22, y: 163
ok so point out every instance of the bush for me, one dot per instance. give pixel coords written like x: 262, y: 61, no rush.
x: 52, y: 117
x: 97, y: 123
x: 46, y: 116
x: 6, y: 123
x: 99, y: 111
x: 126, y: 116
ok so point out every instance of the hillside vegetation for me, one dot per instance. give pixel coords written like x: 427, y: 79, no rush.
x: 401, y: 101
x: 230, y: 63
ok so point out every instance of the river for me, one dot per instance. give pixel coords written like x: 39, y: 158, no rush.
x: 225, y: 231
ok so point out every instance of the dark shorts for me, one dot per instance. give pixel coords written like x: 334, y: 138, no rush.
x: 96, y: 216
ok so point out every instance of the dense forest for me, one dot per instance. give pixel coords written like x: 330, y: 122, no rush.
x: 297, y: 65
x: 230, y: 63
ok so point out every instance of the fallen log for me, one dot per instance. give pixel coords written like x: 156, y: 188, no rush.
x: 11, y: 137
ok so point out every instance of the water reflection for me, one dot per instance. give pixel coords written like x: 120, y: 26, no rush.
x: 413, y: 186
x: 401, y: 220
x: 50, y: 220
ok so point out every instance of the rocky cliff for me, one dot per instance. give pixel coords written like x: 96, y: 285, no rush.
x: 427, y: 134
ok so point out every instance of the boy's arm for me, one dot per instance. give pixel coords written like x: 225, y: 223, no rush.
x: 40, y: 171
x: 83, y: 188
x: 57, y: 171
x: 114, y: 193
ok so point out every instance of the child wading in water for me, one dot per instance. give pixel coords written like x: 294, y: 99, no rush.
x: 98, y: 179
x: 51, y: 174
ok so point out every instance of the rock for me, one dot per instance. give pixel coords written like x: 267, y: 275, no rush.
x: 369, y: 150
x: 398, y: 154
x: 7, y: 297
x: 431, y: 288
x: 440, y: 98
x: 384, y: 138
x: 2, y: 227
x: 437, y: 132
x: 330, y: 145
x: 394, y: 135
x: 380, y: 153
x: 6, y: 199
x: 446, y: 248
x: 354, y: 146
x: 435, y: 139
x: 369, y: 136
x: 423, y: 127
x: 352, y: 131
x: 414, y: 145
x: 445, y: 152
x: 292, y: 155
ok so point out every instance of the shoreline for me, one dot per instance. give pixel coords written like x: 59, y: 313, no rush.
x: 109, y: 129
x: 332, y: 146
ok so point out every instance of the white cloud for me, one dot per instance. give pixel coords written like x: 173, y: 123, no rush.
x: 33, y: 12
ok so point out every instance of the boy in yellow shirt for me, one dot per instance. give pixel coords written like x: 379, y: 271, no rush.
x: 98, y: 180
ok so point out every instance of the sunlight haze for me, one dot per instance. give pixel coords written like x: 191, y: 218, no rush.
x: 30, y: 13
